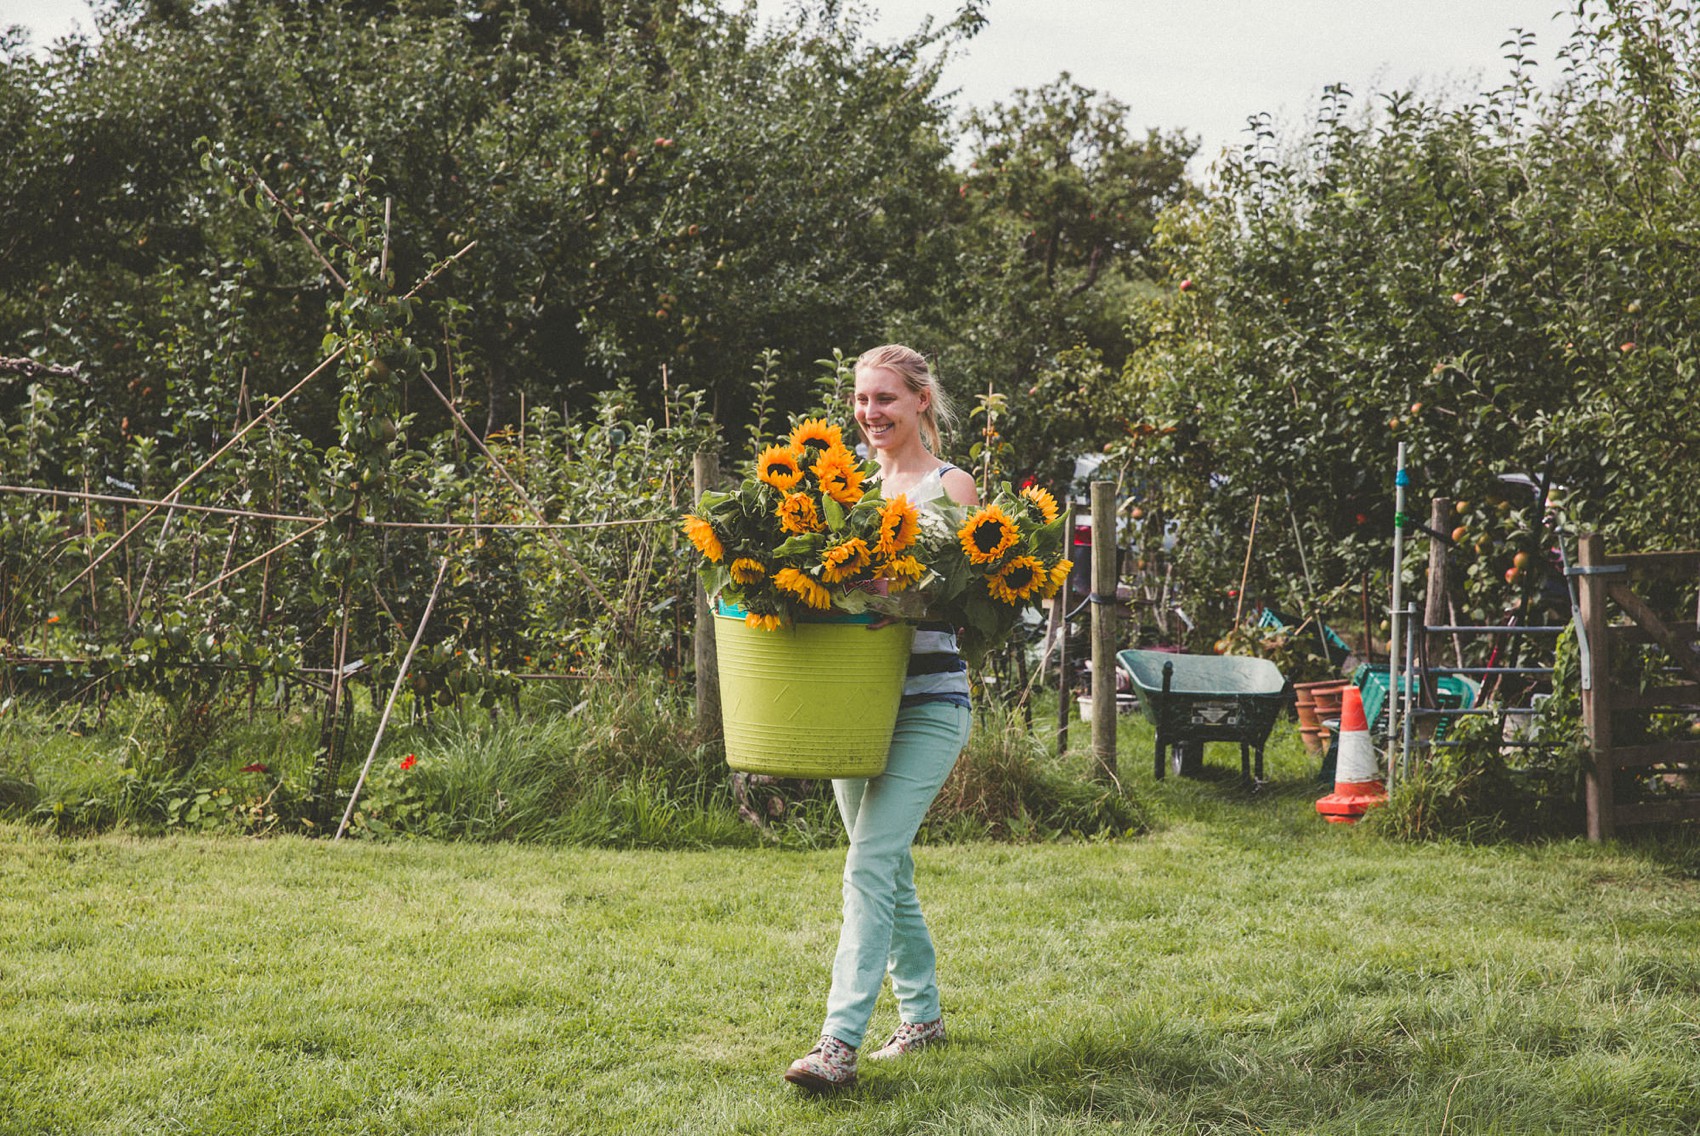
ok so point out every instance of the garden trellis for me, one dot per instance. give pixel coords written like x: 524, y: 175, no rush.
x: 177, y: 619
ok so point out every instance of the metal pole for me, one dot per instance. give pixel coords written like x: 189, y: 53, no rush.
x: 1060, y: 613
x: 1400, y: 479
x: 1104, y: 628
x: 1410, y: 672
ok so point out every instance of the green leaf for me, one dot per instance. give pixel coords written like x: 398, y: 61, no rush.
x: 834, y: 514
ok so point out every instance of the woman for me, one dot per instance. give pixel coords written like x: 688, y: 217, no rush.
x: 898, y: 408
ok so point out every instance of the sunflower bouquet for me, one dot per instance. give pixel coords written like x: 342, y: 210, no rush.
x: 808, y: 533
x: 1005, y: 556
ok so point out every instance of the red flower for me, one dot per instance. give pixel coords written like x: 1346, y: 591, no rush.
x: 257, y: 767
x: 409, y: 761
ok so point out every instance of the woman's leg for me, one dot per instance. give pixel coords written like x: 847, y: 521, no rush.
x: 911, y: 962
x: 882, y: 815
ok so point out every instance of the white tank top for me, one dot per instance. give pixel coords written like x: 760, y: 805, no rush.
x: 936, y: 670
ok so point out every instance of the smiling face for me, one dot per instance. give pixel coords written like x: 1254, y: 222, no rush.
x: 888, y: 412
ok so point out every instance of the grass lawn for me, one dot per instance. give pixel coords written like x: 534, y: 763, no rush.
x: 1245, y: 968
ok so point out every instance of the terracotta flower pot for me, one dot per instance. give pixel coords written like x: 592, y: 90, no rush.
x: 1316, y: 701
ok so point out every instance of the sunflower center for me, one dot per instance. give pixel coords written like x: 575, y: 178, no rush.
x: 987, y: 536
x: 1019, y: 578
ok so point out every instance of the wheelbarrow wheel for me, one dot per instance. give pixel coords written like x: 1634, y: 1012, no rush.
x: 1187, y: 758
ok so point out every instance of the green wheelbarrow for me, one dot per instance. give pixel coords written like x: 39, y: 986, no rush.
x: 1193, y: 699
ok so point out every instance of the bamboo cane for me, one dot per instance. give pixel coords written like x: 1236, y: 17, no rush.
x: 198, y: 470
x: 395, y: 691
x: 509, y: 478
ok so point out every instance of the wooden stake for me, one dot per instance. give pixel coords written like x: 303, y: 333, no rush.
x: 1245, y: 572
x: 1059, y: 615
x: 1593, y: 623
x: 1434, y: 603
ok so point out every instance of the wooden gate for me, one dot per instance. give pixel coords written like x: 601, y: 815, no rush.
x: 1618, y: 585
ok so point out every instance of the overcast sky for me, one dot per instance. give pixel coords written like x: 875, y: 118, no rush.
x: 1200, y: 65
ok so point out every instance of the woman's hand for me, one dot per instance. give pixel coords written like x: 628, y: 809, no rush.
x: 878, y: 588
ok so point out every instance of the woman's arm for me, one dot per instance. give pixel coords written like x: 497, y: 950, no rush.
x: 959, y: 484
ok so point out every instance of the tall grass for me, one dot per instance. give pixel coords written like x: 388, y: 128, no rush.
x: 598, y: 763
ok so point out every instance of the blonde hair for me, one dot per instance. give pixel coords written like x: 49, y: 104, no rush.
x: 911, y: 366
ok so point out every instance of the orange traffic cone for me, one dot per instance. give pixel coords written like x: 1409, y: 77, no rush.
x: 1356, y: 786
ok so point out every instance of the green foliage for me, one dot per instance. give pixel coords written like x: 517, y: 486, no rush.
x: 1007, y: 786
x: 1049, y: 248
x: 1479, y: 789
x: 1500, y: 284
x: 647, y: 187
x: 608, y: 763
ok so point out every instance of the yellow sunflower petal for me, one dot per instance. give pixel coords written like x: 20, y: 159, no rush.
x: 1042, y: 500
x: 839, y: 475
x: 804, y: 587
x: 902, y: 572
x: 817, y: 433
x: 748, y: 571
x: 798, y: 514
x: 842, y: 561
x: 1018, y: 580
x: 778, y: 466
x: 702, y: 535
x: 900, y: 524
x: 987, y: 534
x: 1058, y: 574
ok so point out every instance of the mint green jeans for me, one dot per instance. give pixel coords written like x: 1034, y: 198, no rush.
x: 883, y: 930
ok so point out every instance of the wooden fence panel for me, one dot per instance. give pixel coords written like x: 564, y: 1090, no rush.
x: 1608, y: 580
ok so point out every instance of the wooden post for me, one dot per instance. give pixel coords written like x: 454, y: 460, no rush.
x: 1596, y: 687
x: 1434, y: 601
x: 1104, y: 628
x: 705, y: 468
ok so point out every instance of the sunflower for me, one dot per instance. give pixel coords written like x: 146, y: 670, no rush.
x: 702, y: 535
x: 817, y: 433
x: 778, y: 467
x: 987, y: 534
x: 1059, y: 573
x: 902, y: 572
x: 1017, y: 580
x: 747, y: 571
x: 842, y: 561
x: 1042, y: 500
x: 840, y: 475
x: 797, y: 514
x: 804, y: 587
x: 900, y: 524
x: 762, y: 622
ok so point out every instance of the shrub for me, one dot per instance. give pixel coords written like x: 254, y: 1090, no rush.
x: 1479, y: 789
x: 1007, y: 786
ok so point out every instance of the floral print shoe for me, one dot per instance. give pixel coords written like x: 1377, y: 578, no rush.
x: 829, y: 1065
x: 909, y: 1037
